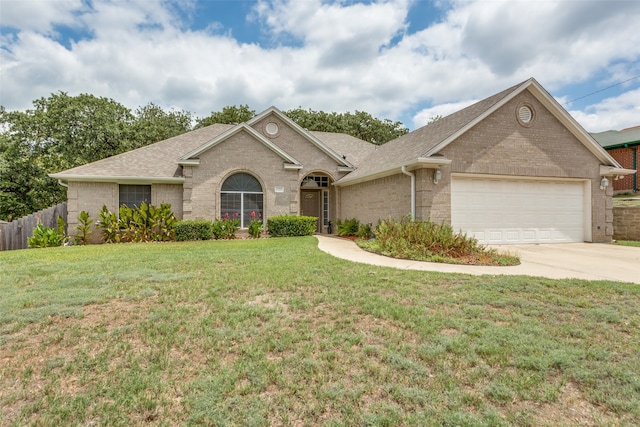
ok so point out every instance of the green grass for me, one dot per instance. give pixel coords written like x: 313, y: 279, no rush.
x: 276, y: 332
x: 628, y: 243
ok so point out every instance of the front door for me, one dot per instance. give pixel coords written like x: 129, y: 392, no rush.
x: 310, y: 204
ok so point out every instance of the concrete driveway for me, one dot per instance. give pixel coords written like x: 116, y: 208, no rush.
x: 589, y: 261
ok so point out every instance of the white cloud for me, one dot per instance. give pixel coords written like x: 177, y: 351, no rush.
x: 333, y: 56
x: 615, y: 113
x: 423, y: 117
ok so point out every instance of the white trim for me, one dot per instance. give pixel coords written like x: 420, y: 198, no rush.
x: 609, y: 170
x: 516, y: 177
x: 142, y: 180
x: 288, y: 166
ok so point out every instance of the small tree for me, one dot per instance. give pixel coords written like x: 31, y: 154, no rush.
x: 84, y: 228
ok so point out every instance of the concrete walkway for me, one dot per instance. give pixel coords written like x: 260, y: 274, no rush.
x: 589, y: 261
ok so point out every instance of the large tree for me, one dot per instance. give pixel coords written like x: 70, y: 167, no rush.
x: 229, y: 115
x: 359, y: 124
x: 64, y: 131
x: 153, y: 124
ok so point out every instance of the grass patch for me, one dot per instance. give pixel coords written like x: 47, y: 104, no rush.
x: 628, y: 243
x: 276, y: 332
x: 626, y: 200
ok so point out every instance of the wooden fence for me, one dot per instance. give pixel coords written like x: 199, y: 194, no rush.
x: 13, y: 235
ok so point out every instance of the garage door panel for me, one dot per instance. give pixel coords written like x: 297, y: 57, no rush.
x: 518, y: 211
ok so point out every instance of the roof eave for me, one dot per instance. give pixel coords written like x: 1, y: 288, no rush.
x: 615, y: 171
x: 419, y: 163
x: 140, y: 180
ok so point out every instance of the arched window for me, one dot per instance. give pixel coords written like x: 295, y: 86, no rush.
x: 241, y: 194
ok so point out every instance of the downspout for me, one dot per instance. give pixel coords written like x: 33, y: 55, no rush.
x: 413, y: 191
x: 634, y: 165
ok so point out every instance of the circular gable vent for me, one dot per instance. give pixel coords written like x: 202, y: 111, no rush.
x: 271, y: 128
x: 525, y: 115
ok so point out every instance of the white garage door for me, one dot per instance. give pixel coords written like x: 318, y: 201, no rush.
x: 506, y: 211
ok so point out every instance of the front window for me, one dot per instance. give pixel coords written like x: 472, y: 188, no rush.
x: 133, y: 195
x: 241, y: 194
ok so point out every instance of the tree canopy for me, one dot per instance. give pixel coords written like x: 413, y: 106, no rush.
x: 62, y: 131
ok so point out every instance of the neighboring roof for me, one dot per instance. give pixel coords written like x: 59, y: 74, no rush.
x: 421, y: 147
x: 155, y: 162
x: 618, y: 138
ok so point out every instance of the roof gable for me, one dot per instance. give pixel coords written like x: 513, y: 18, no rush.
x: 309, y: 136
x: 426, y: 142
x: 191, y: 157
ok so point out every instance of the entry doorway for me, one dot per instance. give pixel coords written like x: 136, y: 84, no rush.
x: 310, y: 205
x: 314, y: 199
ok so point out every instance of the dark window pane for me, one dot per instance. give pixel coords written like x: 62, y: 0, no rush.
x: 242, y: 182
x: 134, y: 195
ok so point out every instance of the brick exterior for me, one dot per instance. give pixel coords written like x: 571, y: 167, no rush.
x: 498, y: 145
x: 91, y: 196
x: 243, y: 153
x: 626, y: 222
x: 625, y: 157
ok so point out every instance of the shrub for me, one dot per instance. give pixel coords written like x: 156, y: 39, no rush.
x: 423, y: 239
x: 83, y: 228
x: 285, y: 225
x: 256, y: 225
x: 45, y: 237
x: 227, y: 227
x: 348, y: 227
x: 109, y: 225
x: 197, y: 229
x: 163, y: 222
x: 144, y: 223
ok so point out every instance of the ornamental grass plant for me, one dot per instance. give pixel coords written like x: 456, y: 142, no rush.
x: 428, y: 241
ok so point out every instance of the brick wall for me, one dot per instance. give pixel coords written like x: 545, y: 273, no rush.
x: 624, y: 156
x: 91, y: 196
x: 626, y: 222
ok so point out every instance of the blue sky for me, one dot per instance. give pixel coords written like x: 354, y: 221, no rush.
x: 406, y: 60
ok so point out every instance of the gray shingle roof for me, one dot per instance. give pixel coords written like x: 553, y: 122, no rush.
x: 355, y: 150
x: 613, y: 138
x: 159, y: 160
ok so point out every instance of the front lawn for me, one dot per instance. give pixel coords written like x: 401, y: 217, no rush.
x: 275, y: 332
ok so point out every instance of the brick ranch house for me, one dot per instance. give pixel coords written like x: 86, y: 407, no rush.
x: 624, y: 147
x: 513, y: 168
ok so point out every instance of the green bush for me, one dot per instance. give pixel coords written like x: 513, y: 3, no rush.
x: 45, y: 237
x: 197, y: 229
x: 348, y: 227
x: 256, y: 225
x: 144, y: 223
x: 83, y: 228
x: 226, y: 228
x: 285, y: 225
